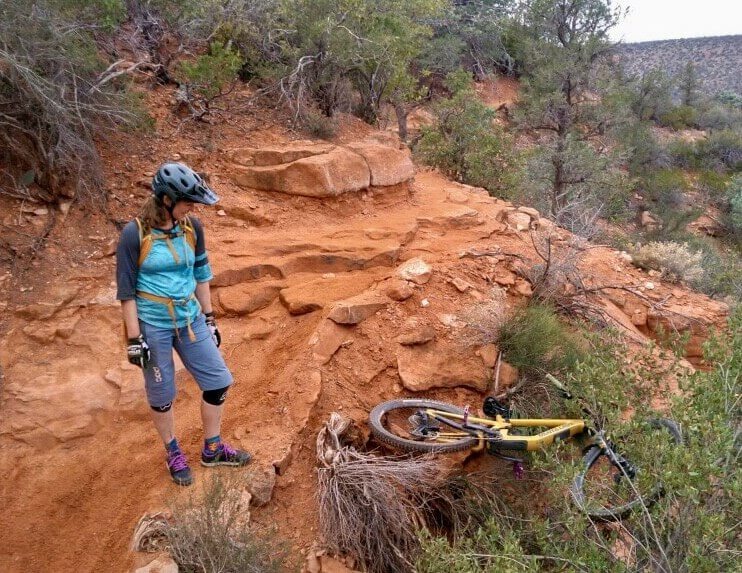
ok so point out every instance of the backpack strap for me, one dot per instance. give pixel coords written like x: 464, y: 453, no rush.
x: 146, y: 239
x: 190, y: 232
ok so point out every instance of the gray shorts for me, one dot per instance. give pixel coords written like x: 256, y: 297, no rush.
x: 200, y: 357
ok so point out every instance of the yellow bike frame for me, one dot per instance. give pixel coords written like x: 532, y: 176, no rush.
x: 558, y: 429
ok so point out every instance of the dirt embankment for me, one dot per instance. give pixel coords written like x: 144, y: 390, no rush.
x: 317, y: 312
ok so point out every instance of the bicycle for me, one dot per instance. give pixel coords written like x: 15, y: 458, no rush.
x: 438, y: 427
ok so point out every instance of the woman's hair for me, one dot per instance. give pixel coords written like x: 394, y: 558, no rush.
x: 153, y: 213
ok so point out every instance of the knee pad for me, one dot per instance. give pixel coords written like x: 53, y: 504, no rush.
x: 215, y: 397
x: 162, y: 409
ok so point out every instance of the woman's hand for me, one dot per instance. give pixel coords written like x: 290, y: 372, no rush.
x: 137, y: 351
x: 211, y: 323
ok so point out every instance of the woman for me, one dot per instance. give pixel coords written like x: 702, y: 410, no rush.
x: 163, y: 274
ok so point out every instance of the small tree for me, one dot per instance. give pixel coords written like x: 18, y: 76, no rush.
x: 564, y: 40
x: 464, y: 142
x: 209, y: 78
x: 370, y: 45
x: 688, y: 83
x: 651, y: 95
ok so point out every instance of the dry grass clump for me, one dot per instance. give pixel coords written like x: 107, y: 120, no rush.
x: 374, y: 508
x: 211, y: 534
x: 674, y: 260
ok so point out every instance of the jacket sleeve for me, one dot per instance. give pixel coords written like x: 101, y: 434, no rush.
x: 201, y: 268
x: 127, y: 262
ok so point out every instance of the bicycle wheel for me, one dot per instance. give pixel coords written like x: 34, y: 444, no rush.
x: 601, y: 500
x: 393, y: 424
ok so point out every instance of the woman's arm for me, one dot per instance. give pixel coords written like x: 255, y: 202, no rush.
x: 129, y: 310
x: 203, y: 294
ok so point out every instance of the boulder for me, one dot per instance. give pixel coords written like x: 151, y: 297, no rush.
x: 279, y: 155
x: 415, y: 335
x: 260, y: 483
x: 648, y: 222
x: 246, y: 298
x: 399, y: 290
x: 258, y: 329
x: 298, y: 301
x: 518, y: 220
x: 459, y: 218
x: 438, y: 365
x: 415, y: 270
x: 162, y: 564
x: 326, y: 340
x: 256, y: 216
x: 387, y: 165
x: 325, y: 175
x: 357, y: 308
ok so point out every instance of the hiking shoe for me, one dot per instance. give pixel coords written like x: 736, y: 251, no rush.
x: 225, y: 455
x: 178, y: 466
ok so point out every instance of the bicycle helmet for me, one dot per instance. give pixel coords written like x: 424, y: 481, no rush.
x: 181, y: 183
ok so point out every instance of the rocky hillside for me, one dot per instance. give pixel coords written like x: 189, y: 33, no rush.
x: 718, y: 60
x: 374, y: 282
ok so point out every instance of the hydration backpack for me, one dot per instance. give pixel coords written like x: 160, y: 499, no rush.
x: 146, y: 238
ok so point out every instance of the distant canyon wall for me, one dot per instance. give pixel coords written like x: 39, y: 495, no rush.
x: 718, y: 60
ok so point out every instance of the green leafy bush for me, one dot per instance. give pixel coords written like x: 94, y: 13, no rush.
x: 694, y: 528
x: 680, y: 117
x: 722, y: 150
x: 207, y: 78
x: 683, y: 154
x: 641, y: 148
x: 664, y: 186
x: 730, y: 98
x: 535, y: 340
x: 465, y: 144
x: 55, y: 96
x: 734, y: 209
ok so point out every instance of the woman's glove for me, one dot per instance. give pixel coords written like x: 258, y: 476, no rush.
x: 211, y: 323
x: 137, y: 351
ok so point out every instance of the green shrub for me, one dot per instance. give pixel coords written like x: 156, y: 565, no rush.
x: 206, y: 78
x: 713, y: 184
x: 54, y: 97
x: 664, y: 187
x: 683, y: 154
x: 722, y: 150
x: 718, y: 116
x: 535, y: 340
x: 730, y: 98
x: 641, y: 147
x: 734, y: 206
x: 694, y: 528
x: 319, y: 125
x: 465, y: 144
x: 680, y: 117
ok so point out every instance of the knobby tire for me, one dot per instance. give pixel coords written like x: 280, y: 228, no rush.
x: 384, y: 435
x: 616, y: 513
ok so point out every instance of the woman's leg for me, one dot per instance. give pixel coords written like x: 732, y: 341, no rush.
x: 165, y: 424
x: 211, y: 415
x: 159, y: 380
x: 205, y: 363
